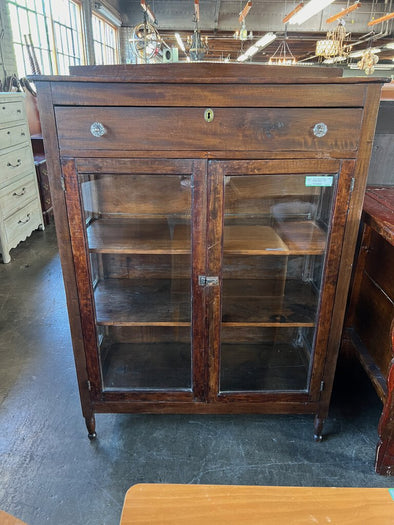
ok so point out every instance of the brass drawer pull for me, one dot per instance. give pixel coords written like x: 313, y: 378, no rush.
x: 26, y: 220
x: 97, y: 129
x: 320, y: 129
x: 18, y: 163
x: 15, y: 194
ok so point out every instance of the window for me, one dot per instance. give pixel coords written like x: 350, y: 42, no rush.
x: 55, y: 29
x: 104, y: 38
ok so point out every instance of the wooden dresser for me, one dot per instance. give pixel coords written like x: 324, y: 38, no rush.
x: 369, y: 325
x: 207, y: 216
x: 20, y: 208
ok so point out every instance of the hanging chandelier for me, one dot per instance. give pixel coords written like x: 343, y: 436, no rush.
x: 197, y: 44
x: 334, y: 43
x: 368, y: 61
x: 282, y: 56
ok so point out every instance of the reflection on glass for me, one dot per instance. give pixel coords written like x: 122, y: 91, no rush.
x: 141, y: 269
x: 275, y: 236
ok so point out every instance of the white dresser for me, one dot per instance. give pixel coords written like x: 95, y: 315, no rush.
x: 20, y: 207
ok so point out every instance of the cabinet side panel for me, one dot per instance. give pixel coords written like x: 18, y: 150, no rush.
x: 351, y: 230
x: 63, y: 238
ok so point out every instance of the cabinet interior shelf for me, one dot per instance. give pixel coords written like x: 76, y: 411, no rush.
x: 165, y: 302
x: 138, y: 236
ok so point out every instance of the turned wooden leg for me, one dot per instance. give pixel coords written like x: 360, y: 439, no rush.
x: 318, y: 428
x: 91, y: 426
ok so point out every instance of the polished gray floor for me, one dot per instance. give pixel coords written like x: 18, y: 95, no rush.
x: 51, y: 473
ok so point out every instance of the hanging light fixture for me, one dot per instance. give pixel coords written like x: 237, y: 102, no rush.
x: 282, y: 56
x: 197, y: 45
x: 242, y: 34
x: 368, y: 61
x: 334, y: 43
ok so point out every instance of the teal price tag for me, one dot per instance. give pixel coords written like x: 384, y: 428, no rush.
x: 319, y: 180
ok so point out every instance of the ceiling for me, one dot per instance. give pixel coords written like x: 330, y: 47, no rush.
x: 219, y: 19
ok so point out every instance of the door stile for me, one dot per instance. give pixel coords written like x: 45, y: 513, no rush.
x: 214, y: 269
x: 331, y: 272
x: 199, y: 317
x: 82, y: 272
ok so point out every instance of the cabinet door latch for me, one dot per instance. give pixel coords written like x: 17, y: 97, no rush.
x: 204, y: 280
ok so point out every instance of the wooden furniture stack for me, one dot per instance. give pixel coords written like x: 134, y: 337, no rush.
x: 369, y: 325
x: 20, y: 209
x: 207, y: 216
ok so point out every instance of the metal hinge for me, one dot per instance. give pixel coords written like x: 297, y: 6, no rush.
x: 204, y: 280
x: 89, y: 386
x: 62, y: 183
x: 352, y: 184
x: 321, y: 386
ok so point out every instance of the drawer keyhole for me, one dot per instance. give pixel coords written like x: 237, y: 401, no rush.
x: 208, y: 115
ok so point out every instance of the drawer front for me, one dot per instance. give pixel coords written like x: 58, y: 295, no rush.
x: 21, y: 223
x: 14, y: 135
x: 15, y: 163
x: 12, y: 111
x: 17, y: 195
x: 240, y: 129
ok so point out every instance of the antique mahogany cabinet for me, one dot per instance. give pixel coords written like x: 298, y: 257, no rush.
x: 206, y: 216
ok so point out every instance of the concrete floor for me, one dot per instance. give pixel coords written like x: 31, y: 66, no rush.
x: 51, y: 473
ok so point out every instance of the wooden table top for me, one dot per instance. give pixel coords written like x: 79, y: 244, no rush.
x: 7, y: 519
x: 233, y: 504
x: 378, y: 210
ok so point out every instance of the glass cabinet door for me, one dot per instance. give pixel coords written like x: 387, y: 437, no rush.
x: 275, y: 235
x: 138, y: 240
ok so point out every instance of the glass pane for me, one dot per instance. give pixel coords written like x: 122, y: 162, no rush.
x: 139, y: 241
x: 275, y: 235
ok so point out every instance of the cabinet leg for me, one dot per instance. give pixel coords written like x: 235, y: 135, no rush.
x: 318, y: 428
x: 91, y: 426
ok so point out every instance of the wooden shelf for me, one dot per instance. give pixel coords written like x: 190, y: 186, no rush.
x: 131, y: 302
x: 149, y: 236
x: 138, y: 236
x: 296, y: 306
x: 264, y: 366
x: 165, y: 302
x: 154, y: 366
x: 302, y: 237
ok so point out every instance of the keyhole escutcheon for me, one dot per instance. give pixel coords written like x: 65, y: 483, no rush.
x: 208, y: 115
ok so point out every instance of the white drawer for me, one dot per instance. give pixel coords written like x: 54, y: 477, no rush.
x: 15, y: 163
x: 12, y: 111
x: 17, y: 194
x: 21, y: 223
x: 14, y: 135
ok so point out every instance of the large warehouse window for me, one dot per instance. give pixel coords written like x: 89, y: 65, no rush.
x: 52, y: 28
x: 105, y: 38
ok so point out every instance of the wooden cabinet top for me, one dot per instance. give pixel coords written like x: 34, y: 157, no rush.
x: 379, y: 210
x: 209, y: 73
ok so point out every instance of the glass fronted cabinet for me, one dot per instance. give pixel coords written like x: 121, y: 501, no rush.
x: 206, y: 260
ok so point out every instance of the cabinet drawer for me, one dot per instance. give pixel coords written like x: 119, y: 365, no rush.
x: 241, y: 129
x: 21, y: 223
x: 18, y: 194
x: 13, y: 136
x: 14, y: 163
x: 11, y: 111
